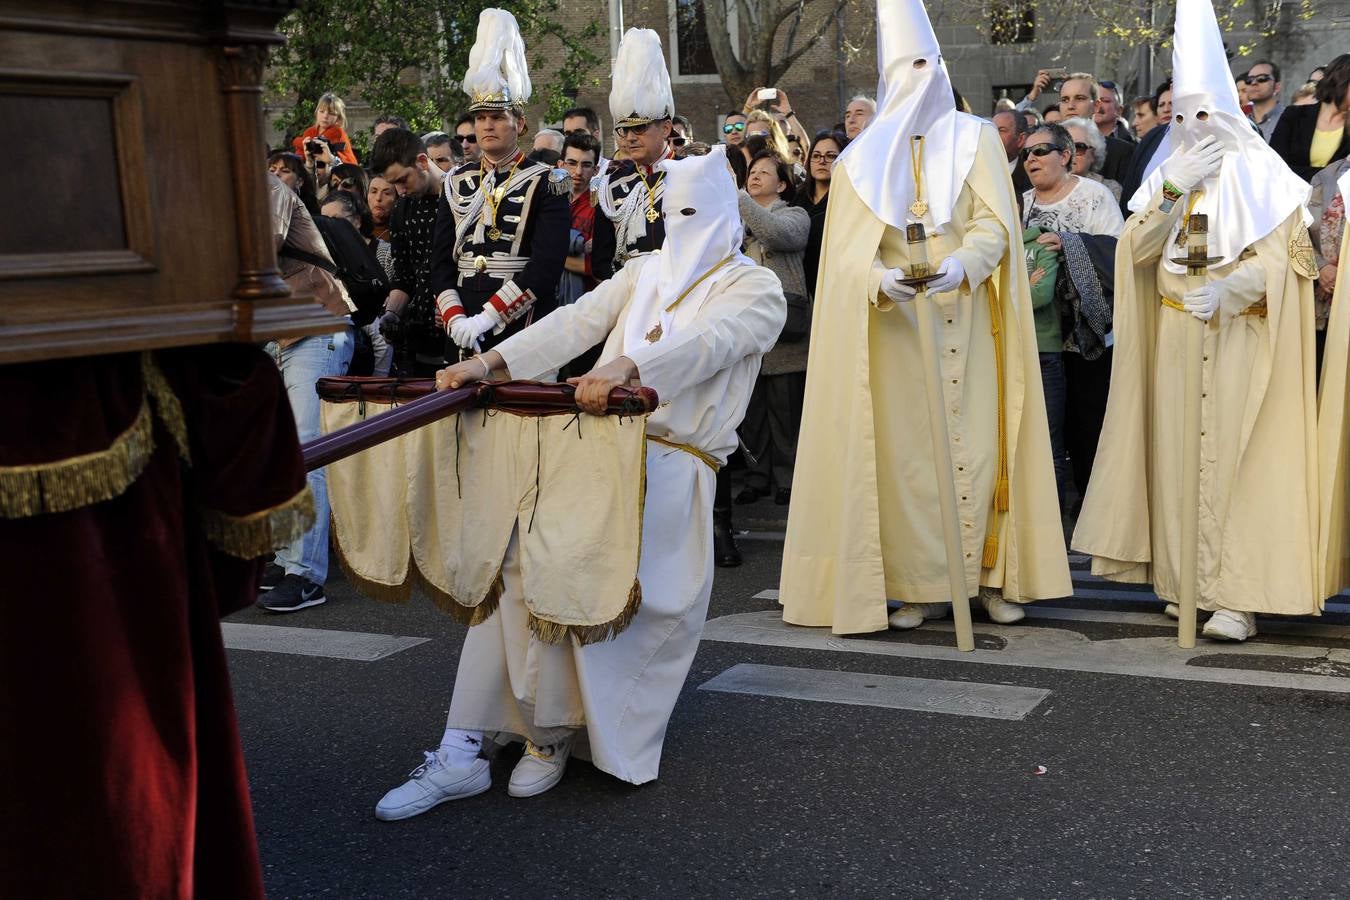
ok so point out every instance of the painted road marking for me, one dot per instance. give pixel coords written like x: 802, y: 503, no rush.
x: 959, y: 698
x: 351, y: 645
x: 1059, y: 649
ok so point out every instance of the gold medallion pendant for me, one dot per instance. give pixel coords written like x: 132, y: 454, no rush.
x: 494, y: 234
x: 652, y: 214
x: 655, y: 334
x: 918, y: 208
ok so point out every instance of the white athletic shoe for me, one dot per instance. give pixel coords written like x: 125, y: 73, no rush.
x: 539, y: 769
x: 1227, y: 625
x: 912, y: 615
x: 1172, y: 611
x: 440, y: 778
x: 1000, y: 610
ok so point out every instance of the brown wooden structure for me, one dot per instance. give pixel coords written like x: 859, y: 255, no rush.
x: 134, y: 128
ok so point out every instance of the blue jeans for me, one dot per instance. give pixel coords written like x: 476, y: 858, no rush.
x: 302, y: 364
x: 1052, y: 380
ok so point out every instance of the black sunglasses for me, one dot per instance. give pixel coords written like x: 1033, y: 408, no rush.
x: 677, y: 141
x: 1258, y: 79
x: 1081, y: 148
x: 733, y: 126
x: 469, y: 138
x: 1109, y: 85
x: 1040, y: 150
x: 625, y: 130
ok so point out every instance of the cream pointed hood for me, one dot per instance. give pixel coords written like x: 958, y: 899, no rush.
x: 911, y: 101
x: 498, y: 77
x: 1254, y: 190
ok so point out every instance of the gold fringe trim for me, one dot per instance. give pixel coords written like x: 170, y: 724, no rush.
x: 250, y: 536
x: 385, y: 593
x: 1002, y: 487
x: 167, y: 408
x: 555, y: 633
x: 82, y: 480
x: 990, y: 558
x: 460, y: 612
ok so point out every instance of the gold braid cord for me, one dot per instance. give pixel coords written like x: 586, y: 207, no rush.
x: 1001, y: 481
x: 83, y: 480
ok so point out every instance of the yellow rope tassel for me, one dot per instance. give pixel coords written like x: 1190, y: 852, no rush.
x: 1001, y: 481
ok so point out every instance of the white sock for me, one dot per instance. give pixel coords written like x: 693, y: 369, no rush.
x: 460, y: 745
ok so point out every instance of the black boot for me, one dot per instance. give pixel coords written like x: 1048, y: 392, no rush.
x: 725, y: 552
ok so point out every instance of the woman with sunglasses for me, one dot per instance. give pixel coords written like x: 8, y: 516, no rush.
x: 1089, y: 153
x: 1075, y: 220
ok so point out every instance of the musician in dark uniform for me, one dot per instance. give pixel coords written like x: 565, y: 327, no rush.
x: 504, y: 222
x: 629, y: 192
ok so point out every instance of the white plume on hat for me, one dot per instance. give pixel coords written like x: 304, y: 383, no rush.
x: 640, y: 90
x: 498, y: 77
x: 1254, y: 190
x: 910, y: 102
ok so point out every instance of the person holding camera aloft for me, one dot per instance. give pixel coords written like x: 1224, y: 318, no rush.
x: 330, y: 127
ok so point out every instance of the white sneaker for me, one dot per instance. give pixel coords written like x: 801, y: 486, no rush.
x: 539, y: 769
x: 1172, y: 611
x: 1228, y: 625
x: 1000, y: 610
x: 440, y: 778
x: 912, y: 615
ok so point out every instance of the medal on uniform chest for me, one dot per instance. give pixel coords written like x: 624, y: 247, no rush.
x: 494, y: 233
x: 653, y: 215
x: 655, y: 334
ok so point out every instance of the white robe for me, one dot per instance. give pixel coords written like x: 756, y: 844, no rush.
x: 623, y: 691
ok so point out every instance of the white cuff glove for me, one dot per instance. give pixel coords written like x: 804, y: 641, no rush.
x: 466, y: 330
x: 891, y: 286
x: 1190, y: 168
x: 1203, y: 302
x: 949, y: 276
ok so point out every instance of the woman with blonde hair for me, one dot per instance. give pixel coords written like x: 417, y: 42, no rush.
x: 330, y: 125
x: 761, y: 122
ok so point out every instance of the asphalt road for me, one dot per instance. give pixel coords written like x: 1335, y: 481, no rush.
x: 1151, y: 786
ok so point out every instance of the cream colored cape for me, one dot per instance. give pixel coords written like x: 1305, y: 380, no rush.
x: 834, y: 572
x: 1332, y: 450
x: 440, y: 504
x: 1267, y: 546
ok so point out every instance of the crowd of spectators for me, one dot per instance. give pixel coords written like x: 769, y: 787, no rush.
x: 1077, y: 148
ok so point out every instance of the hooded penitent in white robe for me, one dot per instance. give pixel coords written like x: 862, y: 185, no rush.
x: 1259, y: 501
x: 865, y: 522
x: 703, y: 365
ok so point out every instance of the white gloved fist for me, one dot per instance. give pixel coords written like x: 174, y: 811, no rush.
x: 1190, y: 168
x: 1203, y: 302
x: 466, y: 330
x: 891, y: 286
x: 949, y: 276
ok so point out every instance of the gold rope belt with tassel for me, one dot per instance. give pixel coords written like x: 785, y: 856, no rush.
x: 693, y: 451
x: 1001, y: 480
x: 1256, y: 309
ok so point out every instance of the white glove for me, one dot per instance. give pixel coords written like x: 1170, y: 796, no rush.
x: 466, y: 330
x: 1187, y: 170
x: 891, y: 286
x: 949, y: 276
x: 1203, y: 302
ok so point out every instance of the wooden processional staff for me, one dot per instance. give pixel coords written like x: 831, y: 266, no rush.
x: 921, y: 273
x: 1197, y: 262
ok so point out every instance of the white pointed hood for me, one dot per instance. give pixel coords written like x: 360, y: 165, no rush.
x: 640, y: 84
x: 498, y: 77
x: 911, y: 101
x: 1254, y: 190
x: 703, y: 228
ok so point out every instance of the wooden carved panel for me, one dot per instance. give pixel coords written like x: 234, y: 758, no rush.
x: 88, y: 125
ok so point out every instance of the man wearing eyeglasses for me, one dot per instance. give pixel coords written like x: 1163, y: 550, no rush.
x: 733, y: 129
x: 681, y: 135
x: 468, y: 139
x: 629, y: 192
x: 1263, y: 90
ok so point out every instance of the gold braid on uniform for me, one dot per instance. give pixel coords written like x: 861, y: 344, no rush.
x: 1001, y: 480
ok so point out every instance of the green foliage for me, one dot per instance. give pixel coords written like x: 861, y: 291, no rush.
x: 406, y: 57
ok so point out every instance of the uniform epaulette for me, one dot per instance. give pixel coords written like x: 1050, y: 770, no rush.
x: 560, y: 182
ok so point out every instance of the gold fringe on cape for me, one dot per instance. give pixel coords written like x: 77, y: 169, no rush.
x: 555, y: 633
x: 250, y: 536
x: 82, y: 480
x: 402, y: 593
